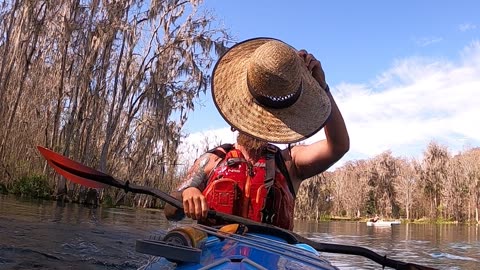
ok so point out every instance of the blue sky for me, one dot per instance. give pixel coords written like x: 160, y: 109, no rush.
x: 403, y: 73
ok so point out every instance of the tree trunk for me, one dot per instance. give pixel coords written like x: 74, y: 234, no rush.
x: 113, y: 114
x: 6, y: 54
x: 33, y: 38
x: 476, y: 214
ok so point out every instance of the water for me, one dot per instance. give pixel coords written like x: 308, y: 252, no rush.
x: 439, y: 246
x: 46, y: 235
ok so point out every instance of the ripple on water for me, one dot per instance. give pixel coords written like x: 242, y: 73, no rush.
x: 464, y: 246
x: 439, y: 255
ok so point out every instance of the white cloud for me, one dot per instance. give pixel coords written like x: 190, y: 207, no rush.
x: 414, y: 102
x: 426, y: 41
x: 466, y: 27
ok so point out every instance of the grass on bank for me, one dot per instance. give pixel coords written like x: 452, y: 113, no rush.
x: 35, y: 186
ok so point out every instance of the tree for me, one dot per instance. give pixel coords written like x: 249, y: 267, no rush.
x: 382, y: 177
x: 108, y: 83
x: 469, y: 166
x: 406, y: 185
x: 350, y: 188
x: 433, y: 174
x: 314, y: 198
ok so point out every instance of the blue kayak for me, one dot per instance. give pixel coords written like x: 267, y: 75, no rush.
x: 203, y: 247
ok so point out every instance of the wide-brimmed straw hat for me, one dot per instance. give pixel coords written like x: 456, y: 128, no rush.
x: 262, y: 87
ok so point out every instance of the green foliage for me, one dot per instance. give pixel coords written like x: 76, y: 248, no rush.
x: 35, y: 186
x: 442, y: 220
x: 423, y: 220
x: 108, y: 201
x: 3, y: 189
x: 325, y: 217
x: 370, y: 203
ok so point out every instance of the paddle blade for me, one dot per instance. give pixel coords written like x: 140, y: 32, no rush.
x: 59, y: 162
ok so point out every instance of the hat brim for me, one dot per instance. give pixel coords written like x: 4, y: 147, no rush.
x: 238, y: 107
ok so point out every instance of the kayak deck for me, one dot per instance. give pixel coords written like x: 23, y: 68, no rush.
x: 250, y: 251
x: 232, y: 254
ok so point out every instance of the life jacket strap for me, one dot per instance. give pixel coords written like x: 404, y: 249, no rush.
x: 268, y: 212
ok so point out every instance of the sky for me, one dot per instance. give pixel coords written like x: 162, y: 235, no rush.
x: 403, y: 73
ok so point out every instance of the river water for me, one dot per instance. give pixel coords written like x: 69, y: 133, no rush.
x: 36, y: 234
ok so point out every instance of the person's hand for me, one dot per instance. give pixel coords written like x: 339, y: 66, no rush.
x: 194, y: 203
x: 314, y: 66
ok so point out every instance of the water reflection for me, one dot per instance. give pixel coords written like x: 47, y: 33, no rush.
x: 442, y: 246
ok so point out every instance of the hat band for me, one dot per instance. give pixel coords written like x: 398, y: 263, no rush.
x: 275, y: 102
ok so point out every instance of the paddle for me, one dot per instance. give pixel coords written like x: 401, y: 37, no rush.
x: 83, y: 175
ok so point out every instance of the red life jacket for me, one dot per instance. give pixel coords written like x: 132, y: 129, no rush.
x: 260, y: 191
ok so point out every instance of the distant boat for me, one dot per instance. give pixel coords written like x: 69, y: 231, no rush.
x: 383, y: 223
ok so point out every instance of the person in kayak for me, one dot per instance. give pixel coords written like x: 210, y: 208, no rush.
x: 270, y: 93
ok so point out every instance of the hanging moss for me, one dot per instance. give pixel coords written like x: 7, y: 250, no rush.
x: 35, y: 186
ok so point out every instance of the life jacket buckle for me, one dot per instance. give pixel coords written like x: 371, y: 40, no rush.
x: 271, y: 150
x: 231, y: 162
x: 267, y: 216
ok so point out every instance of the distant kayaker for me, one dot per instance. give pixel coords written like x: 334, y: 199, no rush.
x: 375, y: 219
x: 270, y: 93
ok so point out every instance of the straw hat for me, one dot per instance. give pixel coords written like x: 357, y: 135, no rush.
x: 263, y: 88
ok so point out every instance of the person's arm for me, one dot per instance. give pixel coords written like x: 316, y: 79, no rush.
x: 190, y: 190
x: 310, y: 160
